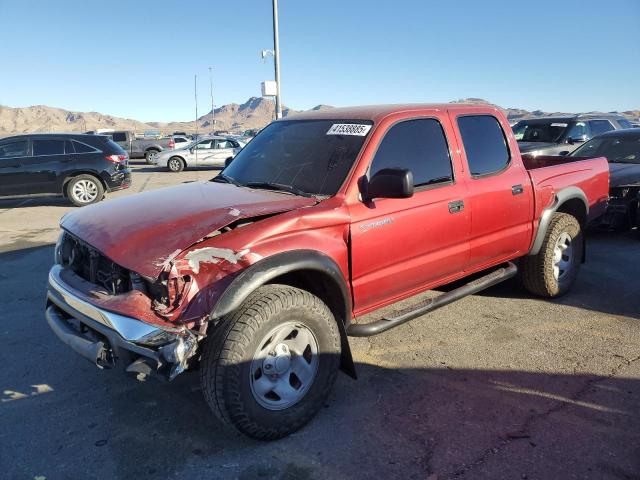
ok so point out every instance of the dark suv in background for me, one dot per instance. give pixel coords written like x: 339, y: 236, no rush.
x: 562, y: 135
x: 79, y: 167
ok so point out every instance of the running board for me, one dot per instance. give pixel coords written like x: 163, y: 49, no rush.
x: 496, y: 276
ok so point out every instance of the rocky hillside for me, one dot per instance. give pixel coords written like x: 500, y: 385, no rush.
x: 254, y: 113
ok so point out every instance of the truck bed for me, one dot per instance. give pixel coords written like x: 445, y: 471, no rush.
x: 549, y: 174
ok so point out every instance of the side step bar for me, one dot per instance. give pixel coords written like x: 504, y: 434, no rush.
x: 496, y: 276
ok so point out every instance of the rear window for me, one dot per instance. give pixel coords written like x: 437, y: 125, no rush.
x: 114, y: 148
x: 484, y: 144
x: 48, y: 147
x: 119, y: 136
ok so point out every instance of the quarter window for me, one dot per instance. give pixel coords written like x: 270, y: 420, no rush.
x: 82, y: 148
x: 600, y: 126
x: 48, y: 147
x: 484, y: 144
x: 419, y: 146
x: 13, y: 149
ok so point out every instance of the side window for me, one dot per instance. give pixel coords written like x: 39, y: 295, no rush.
x: 624, y: 123
x: 119, y: 136
x: 484, y: 143
x: 204, y: 145
x: 578, y: 131
x: 48, y: 147
x: 223, y: 144
x: 600, y: 126
x: 13, y: 149
x: 68, y: 147
x: 417, y: 145
x: 81, y: 147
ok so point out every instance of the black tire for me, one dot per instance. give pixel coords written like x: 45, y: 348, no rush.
x: 175, y: 164
x: 84, y: 190
x: 148, y: 154
x: 226, y: 364
x: 538, y: 273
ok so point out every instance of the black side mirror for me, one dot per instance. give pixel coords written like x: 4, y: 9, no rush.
x: 228, y: 161
x: 389, y: 183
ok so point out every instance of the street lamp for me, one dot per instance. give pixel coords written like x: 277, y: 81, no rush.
x: 275, y: 53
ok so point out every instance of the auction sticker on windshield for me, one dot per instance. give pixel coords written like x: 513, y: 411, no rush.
x: 356, y: 129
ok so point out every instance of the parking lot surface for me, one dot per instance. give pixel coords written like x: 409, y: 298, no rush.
x: 498, y: 385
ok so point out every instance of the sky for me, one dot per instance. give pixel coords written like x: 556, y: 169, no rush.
x: 137, y: 59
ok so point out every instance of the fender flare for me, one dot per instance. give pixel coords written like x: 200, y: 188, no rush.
x: 561, y: 198
x: 279, y: 264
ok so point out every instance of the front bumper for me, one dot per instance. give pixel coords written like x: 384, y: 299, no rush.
x: 110, y: 340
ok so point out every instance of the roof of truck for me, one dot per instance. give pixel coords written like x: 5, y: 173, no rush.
x: 377, y: 112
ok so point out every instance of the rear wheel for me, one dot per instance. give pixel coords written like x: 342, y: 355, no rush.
x: 84, y: 190
x: 554, y: 269
x: 148, y: 156
x: 271, y: 366
x: 175, y: 164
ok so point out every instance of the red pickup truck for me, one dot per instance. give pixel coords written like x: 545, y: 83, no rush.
x: 258, y: 277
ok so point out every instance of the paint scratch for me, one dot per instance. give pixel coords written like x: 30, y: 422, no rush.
x: 212, y: 255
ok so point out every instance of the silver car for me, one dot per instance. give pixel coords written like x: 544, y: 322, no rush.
x: 210, y: 151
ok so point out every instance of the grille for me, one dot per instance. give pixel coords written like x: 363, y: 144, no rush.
x: 91, y: 265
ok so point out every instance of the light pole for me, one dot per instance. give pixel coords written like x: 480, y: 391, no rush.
x: 276, y: 58
x: 213, y: 119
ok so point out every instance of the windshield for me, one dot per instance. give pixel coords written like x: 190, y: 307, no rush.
x: 622, y: 149
x: 310, y: 156
x: 539, y: 131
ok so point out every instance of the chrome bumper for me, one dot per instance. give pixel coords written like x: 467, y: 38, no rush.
x: 108, y: 339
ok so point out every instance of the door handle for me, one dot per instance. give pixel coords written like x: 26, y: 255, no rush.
x: 456, y: 206
x: 517, y: 189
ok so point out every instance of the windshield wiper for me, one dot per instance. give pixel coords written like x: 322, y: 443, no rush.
x: 279, y: 187
x: 221, y: 177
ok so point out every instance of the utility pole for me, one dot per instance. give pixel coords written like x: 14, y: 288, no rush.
x: 276, y: 58
x: 213, y: 118
x: 195, y: 94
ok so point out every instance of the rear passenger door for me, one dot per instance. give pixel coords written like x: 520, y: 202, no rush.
x: 500, y: 191
x: 44, y: 164
x: 401, y: 246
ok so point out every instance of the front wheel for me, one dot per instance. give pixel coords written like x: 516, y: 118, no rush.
x: 175, y: 164
x: 271, y: 366
x: 554, y: 269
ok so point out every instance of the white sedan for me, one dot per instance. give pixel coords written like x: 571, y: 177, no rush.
x: 206, y: 152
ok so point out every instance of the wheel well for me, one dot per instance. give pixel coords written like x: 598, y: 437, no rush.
x: 66, y: 181
x: 576, y: 208
x: 152, y: 149
x: 320, y: 285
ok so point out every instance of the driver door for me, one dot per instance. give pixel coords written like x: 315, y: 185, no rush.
x: 402, y: 246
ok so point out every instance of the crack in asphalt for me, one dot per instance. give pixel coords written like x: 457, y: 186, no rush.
x: 526, y: 425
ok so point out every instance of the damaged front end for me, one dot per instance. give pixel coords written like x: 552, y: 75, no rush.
x: 622, y: 211
x: 83, y: 285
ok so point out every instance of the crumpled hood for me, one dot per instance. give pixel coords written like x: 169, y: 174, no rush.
x: 624, y: 174
x: 140, y: 232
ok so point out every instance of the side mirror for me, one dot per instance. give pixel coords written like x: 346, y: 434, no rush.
x: 390, y: 183
x: 192, y: 149
x: 228, y: 161
x: 573, y: 140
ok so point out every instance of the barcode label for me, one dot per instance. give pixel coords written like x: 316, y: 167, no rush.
x: 349, y: 129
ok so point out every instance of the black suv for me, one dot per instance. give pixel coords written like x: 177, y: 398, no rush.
x: 562, y: 135
x: 79, y: 167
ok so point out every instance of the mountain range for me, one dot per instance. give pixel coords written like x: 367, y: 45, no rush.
x: 256, y: 112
